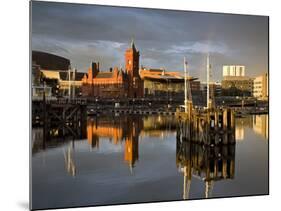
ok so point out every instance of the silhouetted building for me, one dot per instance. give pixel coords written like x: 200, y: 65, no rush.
x: 54, y: 72
x: 215, y: 88
x: 237, y: 86
x: 49, y: 61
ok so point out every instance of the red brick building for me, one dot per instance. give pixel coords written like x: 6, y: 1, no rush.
x: 115, y: 83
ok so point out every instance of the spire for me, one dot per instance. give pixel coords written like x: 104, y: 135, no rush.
x: 133, y: 44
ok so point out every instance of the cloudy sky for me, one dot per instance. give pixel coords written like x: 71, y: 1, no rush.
x: 85, y: 33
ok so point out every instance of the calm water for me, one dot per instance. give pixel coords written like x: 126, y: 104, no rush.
x: 132, y: 159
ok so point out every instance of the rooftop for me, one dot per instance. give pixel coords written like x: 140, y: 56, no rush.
x: 50, y: 61
x: 62, y: 75
x: 104, y: 75
x: 161, y: 74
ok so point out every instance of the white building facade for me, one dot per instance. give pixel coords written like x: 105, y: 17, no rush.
x: 233, y: 70
x: 260, y: 87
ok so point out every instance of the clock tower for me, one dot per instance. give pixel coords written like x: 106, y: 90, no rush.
x: 135, y: 84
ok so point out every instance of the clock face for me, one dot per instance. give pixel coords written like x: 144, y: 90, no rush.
x: 129, y: 61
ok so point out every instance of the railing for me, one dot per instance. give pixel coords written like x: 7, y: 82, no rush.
x: 48, y: 100
x: 40, y: 98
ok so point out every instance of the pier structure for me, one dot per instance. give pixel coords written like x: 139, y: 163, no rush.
x: 209, y: 125
x: 67, y: 115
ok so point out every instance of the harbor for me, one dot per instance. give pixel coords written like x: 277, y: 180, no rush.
x: 195, y: 145
x: 122, y: 153
x: 134, y: 133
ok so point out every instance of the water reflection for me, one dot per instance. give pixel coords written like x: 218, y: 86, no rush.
x: 94, y: 159
x: 127, y: 131
x: 69, y: 161
x: 259, y: 124
x: 118, y: 130
x: 209, y: 164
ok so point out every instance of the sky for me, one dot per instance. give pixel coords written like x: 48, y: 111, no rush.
x: 85, y: 33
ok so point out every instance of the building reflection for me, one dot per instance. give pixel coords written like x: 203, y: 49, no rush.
x: 125, y: 131
x: 131, y: 151
x: 102, y: 128
x: 239, y: 133
x: 240, y: 128
x: 260, y: 125
x: 122, y: 130
x: 209, y: 164
x: 158, y: 126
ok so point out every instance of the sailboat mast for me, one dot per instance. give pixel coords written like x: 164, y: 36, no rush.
x: 69, y: 85
x: 73, y: 83
x: 185, y: 86
x: 208, y: 80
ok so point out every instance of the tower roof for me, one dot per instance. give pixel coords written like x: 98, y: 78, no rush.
x: 133, y: 44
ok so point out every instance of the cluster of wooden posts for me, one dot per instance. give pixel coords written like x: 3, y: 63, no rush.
x: 209, y: 126
x: 68, y: 117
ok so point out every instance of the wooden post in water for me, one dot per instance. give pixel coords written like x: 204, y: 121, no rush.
x: 224, y: 119
x: 189, y: 106
x: 232, y: 120
x: 216, y: 119
x: 224, y: 168
x: 225, y: 138
x: 231, y: 153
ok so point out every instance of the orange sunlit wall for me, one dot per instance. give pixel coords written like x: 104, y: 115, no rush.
x: 116, y: 83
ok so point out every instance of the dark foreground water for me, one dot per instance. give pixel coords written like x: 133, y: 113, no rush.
x: 132, y: 159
